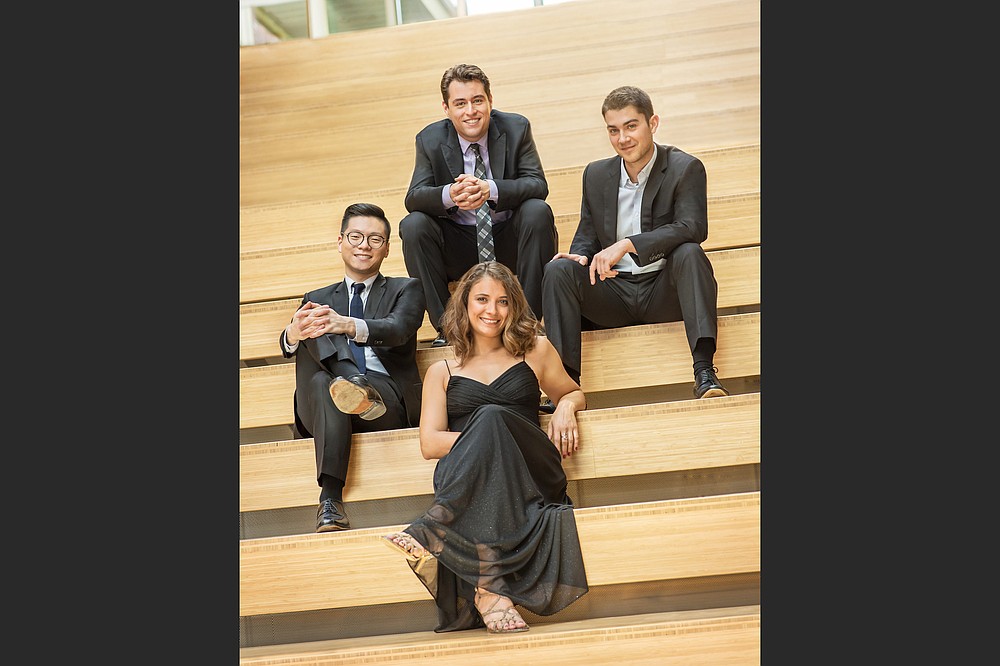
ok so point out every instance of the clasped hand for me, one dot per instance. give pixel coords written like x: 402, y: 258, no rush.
x: 312, y: 320
x: 469, y: 192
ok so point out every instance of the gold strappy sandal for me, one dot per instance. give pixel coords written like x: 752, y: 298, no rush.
x: 507, y: 615
x: 403, y: 543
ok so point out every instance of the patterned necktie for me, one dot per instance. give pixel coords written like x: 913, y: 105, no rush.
x: 358, y: 310
x: 484, y: 221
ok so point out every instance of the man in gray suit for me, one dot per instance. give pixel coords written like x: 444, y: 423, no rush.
x: 636, y: 257
x: 439, y: 231
x: 354, y: 372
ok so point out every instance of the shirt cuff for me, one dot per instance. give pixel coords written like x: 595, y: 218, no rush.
x: 284, y: 343
x: 446, y: 198
x: 361, y: 334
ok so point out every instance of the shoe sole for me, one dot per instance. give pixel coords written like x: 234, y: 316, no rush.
x: 331, y: 528
x: 353, y: 399
x: 713, y: 393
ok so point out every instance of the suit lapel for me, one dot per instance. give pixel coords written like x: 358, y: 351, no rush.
x: 611, y: 199
x: 657, y: 175
x: 451, y: 152
x: 498, y: 150
x: 375, y: 297
x: 341, y: 301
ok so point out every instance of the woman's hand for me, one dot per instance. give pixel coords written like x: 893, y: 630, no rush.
x: 563, y: 429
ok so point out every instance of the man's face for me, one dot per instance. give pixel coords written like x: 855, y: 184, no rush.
x: 631, y: 135
x: 469, y: 108
x: 363, y: 260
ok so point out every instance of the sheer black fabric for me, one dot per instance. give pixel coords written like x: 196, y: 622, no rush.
x: 501, y: 519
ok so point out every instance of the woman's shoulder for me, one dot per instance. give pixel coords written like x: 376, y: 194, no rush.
x: 541, y: 349
x: 439, y: 367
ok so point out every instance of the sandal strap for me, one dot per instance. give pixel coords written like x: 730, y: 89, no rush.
x: 510, y: 611
x: 408, y: 542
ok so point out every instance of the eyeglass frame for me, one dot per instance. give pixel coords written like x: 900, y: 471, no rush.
x: 364, y: 238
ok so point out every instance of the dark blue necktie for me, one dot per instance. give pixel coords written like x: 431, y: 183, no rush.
x: 358, y: 310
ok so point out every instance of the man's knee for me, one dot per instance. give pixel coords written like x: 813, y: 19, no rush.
x: 559, y: 272
x: 319, y: 385
x: 690, y: 253
x: 536, y: 215
x: 416, y: 225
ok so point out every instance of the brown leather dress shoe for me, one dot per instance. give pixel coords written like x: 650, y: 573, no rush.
x: 355, y: 395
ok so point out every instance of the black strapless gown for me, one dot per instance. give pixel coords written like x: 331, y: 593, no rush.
x: 501, y: 519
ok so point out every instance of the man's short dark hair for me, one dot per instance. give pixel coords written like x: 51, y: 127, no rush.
x: 464, y: 73
x: 624, y: 96
x: 365, y: 210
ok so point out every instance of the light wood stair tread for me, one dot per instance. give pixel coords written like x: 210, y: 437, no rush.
x: 624, y: 543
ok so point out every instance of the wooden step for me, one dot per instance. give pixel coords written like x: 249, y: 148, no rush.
x: 702, y: 637
x: 401, y: 58
x: 733, y: 174
x: 612, y: 359
x: 708, y: 84
x: 625, y: 543
x: 736, y: 271
x: 715, y: 124
x: 662, y: 437
x: 735, y: 224
x: 586, y: 68
x: 291, y: 271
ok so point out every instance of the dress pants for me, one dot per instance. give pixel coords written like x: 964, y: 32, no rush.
x: 685, y: 289
x: 439, y: 250
x: 330, y: 428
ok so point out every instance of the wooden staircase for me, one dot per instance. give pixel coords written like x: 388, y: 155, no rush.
x: 666, y: 487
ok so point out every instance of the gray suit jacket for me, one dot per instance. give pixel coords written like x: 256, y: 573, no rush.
x: 514, y: 161
x: 674, y: 206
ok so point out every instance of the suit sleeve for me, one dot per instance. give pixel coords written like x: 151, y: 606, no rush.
x: 585, y: 241
x: 281, y: 336
x: 404, y: 319
x: 424, y: 193
x: 686, y: 221
x: 524, y: 167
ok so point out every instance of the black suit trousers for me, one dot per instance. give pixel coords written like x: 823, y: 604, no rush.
x: 439, y: 250
x: 330, y: 428
x: 685, y: 289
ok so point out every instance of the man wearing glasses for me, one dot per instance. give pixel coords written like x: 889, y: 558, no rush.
x: 355, y: 346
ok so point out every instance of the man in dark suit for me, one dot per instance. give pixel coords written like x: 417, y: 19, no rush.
x: 643, y: 218
x: 439, y: 232
x: 357, y: 372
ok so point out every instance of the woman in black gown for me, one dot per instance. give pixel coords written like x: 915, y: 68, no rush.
x: 501, y: 530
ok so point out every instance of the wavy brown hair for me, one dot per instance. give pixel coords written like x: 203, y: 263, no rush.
x: 520, y: 327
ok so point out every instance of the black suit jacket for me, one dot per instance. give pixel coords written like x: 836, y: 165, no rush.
x: 674, y: 206
x: 394, y: 312
x: 514, y: 162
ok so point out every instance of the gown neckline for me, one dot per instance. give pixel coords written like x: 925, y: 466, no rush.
x: 495, y: 380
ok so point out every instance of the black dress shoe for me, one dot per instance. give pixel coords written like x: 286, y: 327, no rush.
x: 547, y: 407
x: 706, y: 384
x: 439, y: 341
x: 356, y: 395
x: 330, y: 516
